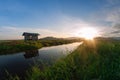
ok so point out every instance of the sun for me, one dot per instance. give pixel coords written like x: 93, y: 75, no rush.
x: 88, y: 33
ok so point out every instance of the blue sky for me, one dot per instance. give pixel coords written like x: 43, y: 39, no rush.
x: 59, y: 18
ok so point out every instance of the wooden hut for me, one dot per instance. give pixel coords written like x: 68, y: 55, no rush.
x: 30, y: 36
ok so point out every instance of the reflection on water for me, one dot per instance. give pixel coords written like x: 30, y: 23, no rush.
x: 20, y: 62
x: 31, y: 53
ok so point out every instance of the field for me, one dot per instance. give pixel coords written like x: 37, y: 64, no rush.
x: 94, y: 60
x: 8, y: 47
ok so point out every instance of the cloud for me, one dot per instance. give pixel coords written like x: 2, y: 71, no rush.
x: 113, y: 2
x: 113, y: 16
x: 9, y: 32
x: 66, y: 27
x: 116, y: 30
x: 108, y: 18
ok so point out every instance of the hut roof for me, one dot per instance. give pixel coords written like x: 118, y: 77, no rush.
x: 27, y: 33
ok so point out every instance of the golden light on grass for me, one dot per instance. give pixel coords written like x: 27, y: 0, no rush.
x: 88, y: 33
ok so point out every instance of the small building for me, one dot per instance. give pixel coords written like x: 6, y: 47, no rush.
x: 30, y: 36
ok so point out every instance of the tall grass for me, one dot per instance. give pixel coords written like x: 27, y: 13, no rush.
x: 94, y: 60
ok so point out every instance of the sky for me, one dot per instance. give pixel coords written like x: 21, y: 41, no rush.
x: 58, y: 18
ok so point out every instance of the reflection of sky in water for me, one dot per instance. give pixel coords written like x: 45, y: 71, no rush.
x: 19, y: 62
x: 61, y: 47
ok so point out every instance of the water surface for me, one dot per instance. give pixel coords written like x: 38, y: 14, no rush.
x: 18, y: 63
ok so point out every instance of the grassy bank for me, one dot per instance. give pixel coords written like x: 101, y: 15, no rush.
x: 9, y: 47
x: 96, y: 60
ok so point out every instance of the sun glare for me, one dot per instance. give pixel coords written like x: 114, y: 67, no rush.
x: 88, y: 33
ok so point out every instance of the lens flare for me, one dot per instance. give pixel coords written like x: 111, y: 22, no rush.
x: 88, y: 33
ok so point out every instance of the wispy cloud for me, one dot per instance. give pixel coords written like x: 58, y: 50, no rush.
x: 65, y: 27
x: 108, y: 18
x: 9, y: 32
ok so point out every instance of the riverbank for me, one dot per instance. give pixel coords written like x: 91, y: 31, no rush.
x: 9, y: 47
x: 94, y: 60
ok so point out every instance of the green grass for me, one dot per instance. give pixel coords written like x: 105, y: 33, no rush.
x: 98, y: 60
x: 18, y: 46
x: 8, y: 47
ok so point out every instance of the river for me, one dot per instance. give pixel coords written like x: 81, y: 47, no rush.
x: 18, y: 63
